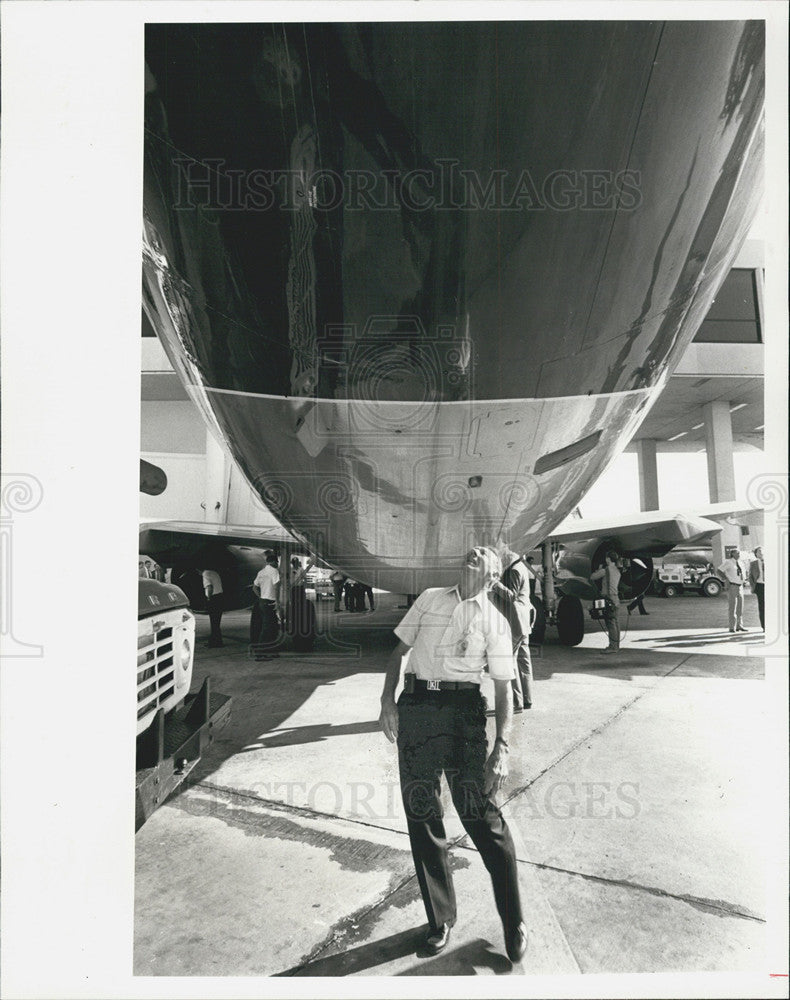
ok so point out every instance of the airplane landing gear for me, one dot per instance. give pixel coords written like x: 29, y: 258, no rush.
x: 570, y: 621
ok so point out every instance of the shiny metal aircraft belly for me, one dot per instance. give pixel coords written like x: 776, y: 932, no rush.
x: 427, y: 279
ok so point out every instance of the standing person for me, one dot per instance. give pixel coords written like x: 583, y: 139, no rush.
x: 511, y: 596
x: 265, y: 589
x: 300, y: 614
x: 348, y: 593
x: 757, y: 583
x: 533, y: 576
x: 338, y: 581
x: 454, y: 635
x: 212, y: 588
x: 732, y: 571
x: 610, y: 575
x: 367, y: 592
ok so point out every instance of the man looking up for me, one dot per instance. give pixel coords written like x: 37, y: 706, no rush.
x: 453, y: 635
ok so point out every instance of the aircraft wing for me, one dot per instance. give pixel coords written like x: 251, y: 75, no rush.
x: 193, y: 543
x: 655, y: 532
x: 159, y: 532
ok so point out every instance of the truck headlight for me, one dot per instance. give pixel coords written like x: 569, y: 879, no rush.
x: 186, y: 654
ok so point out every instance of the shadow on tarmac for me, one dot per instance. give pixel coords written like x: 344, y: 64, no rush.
x: 267, y: 694
x: 467, y: 960
x: 312, y: 734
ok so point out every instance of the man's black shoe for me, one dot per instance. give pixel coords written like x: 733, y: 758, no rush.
x: 516, y: 943
x: 437, y: 940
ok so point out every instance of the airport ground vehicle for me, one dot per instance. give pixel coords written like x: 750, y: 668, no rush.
x: 670, y: 581
x: 318, y: 580
x: 173, y: 727
x: 165, y: 649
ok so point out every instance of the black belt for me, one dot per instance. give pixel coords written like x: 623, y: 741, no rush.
x: 421, y: 685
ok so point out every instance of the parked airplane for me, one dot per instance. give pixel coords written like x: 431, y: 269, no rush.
x: 427, y: 279
x: 569, y: 557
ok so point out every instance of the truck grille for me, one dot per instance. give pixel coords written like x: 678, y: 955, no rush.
x: 155, y: 670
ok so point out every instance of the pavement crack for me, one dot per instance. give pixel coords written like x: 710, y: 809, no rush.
x: 718, y: 907
x: 337, y: 932
x: 596, y: 731
x: 277, y: 805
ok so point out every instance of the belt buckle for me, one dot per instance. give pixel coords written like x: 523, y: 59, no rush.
x: 434, y: 685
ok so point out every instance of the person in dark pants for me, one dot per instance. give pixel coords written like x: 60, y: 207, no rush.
x: 300, y: 613
x: 511, y: 596
x: 348, y: 594
x: 368, y: 592
x: 358, y: 597
x: 757, y: 583
x: 338, y: 583
x: 212, y: 588
x: 439, y: 723
x: 610, y: 575
x: 266, y: 590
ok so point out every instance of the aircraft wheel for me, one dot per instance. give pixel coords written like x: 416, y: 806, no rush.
x: 711, y: 588
x: 538, y: 632
x: 570, y: 621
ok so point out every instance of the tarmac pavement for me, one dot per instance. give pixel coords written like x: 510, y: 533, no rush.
x: 631, y: 799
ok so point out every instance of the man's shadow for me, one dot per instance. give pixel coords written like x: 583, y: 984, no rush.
x: 465, y: 960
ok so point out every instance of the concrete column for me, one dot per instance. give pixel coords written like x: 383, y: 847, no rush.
x: 721, y: 469
x: 215, y: 495
x: 648, y: 474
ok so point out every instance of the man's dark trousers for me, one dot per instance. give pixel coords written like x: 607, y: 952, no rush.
x: 444, y: 731
x: 759, y: 591
x: 215, y: 606
x: 264, y: 626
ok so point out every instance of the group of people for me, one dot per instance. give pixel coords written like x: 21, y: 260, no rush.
x: 296, y: 614
x: 732, y: 570
x: 269, y: 611
x: 736, y: 575
x: 352, y: 593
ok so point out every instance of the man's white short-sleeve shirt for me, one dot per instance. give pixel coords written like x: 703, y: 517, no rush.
x: 267, y: 580
x: 455, y: 640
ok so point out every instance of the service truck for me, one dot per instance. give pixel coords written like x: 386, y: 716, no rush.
x: 174, y: 728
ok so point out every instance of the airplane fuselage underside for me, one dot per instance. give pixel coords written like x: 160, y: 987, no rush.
x: 427, y: 279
